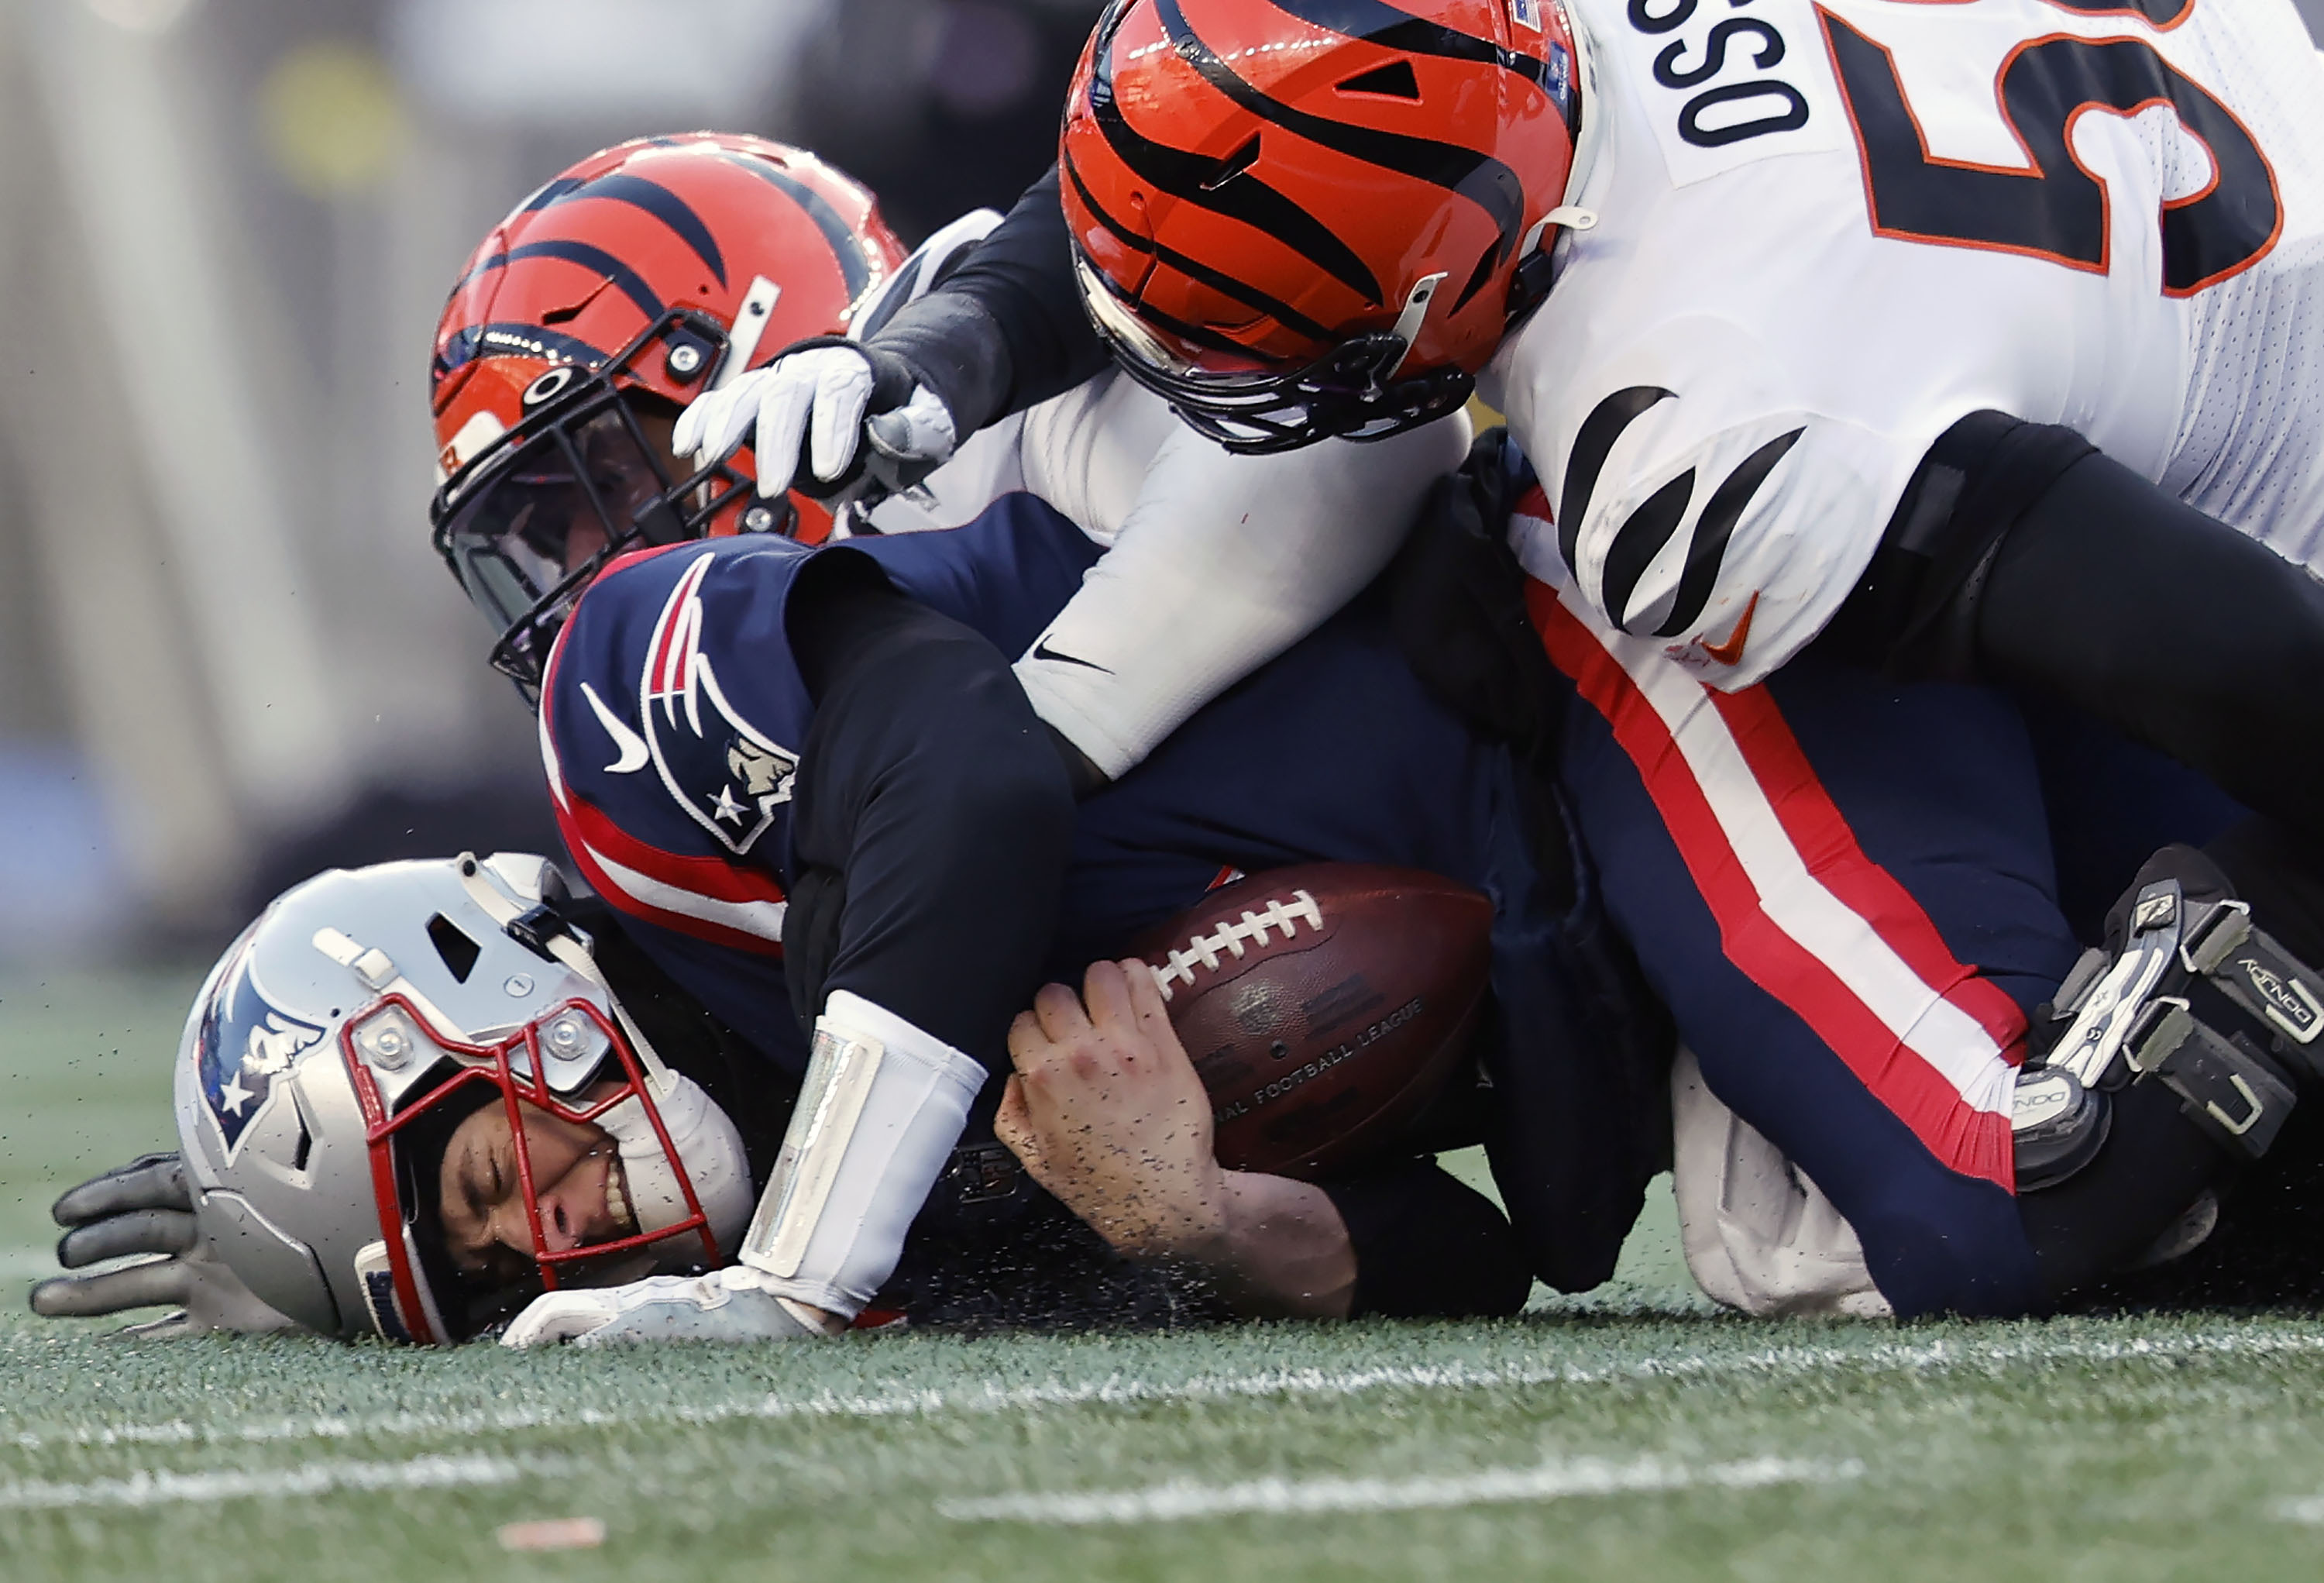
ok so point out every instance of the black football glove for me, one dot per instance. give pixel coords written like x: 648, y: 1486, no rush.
x: 146, y: 1207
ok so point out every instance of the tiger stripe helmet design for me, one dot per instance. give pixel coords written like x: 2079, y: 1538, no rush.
x: 1301, y: 219
x: 625, y: 288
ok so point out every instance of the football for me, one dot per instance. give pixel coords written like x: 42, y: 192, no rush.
x: 1323, y: 1005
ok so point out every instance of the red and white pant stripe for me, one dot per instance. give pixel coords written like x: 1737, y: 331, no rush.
x: 1801, y: 909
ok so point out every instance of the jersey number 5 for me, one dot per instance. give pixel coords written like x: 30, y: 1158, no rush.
x: 2056, y: 209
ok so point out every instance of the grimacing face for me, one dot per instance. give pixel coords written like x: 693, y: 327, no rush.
x: 578, y: 1185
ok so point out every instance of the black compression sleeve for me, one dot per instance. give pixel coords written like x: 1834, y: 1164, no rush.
x: 2184, y: 633
x: 932, y: 820
x: 1006, y: 328
x: 1428, y: 1246
x: 2022, y: 556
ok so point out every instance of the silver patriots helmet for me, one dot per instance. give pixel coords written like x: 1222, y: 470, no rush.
x: 362, y: 1016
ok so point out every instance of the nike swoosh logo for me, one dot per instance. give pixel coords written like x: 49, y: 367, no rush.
x: 632, y: 755
x: 1042, y: 651
x: 1730, y: 650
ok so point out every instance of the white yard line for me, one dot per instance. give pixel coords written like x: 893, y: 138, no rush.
x: 322, y: 1478
x: 1774, y: 1362
x: 1590, y: 1475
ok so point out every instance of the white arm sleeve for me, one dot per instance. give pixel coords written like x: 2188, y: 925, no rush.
x: 883, y: 1104
x: 1219, y: 564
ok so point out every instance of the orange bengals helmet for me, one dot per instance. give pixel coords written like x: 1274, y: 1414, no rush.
x: 1300, y: 219
x: 631, y: 284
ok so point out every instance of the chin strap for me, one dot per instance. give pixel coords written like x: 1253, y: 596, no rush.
x: 540, y: 929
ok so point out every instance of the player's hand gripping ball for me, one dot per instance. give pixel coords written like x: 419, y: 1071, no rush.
x: 1324, y: 1006
x: 1105, y: 1111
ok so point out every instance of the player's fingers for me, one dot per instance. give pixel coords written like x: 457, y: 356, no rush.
x: 150, y: 1181
x: 554, y: 1317
x: 1060, y: 1013
x: 725, y: 417
x: 1037, y: 1057
x: 140, y: 1231
x: 698, y: 419
x: 1113, y: 1013
x: 147, y: 1285
x: 1145, y: 1001
x: 841, y: 396
x: 784, y: 404
x: 1106, y: 988
x: 1153, y: 1015
x: 1012, y: 1124
x: 1026, y: 1044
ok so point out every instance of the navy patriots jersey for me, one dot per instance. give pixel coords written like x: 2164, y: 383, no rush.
x: 673, y: 715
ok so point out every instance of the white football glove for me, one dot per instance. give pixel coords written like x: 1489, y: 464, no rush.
x: 837, y: 398
x: 146, y: 1207
x: 729, y: 1305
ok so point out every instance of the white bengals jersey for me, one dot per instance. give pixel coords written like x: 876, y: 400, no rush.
x: 1828, y: 231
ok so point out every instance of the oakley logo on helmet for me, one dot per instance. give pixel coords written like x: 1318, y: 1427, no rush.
x: 728, y: 775
x: 244, y: 1044
x: 549, y: 386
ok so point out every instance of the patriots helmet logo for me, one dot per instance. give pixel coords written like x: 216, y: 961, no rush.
x: 728, y: 775
x: 244, y: 1044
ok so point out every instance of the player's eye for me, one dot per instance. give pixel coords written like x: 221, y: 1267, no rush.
x: 540, y: 531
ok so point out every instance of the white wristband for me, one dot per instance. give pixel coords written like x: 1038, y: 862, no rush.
x: 883, y: 1105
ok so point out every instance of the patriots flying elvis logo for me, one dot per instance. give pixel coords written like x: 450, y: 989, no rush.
x: 728, y: 775
x: 244, y: 1044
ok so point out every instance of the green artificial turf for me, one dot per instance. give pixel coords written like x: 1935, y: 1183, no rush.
x: 1636, y: 1437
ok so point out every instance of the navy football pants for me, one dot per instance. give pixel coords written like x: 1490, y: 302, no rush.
x: 1850, y: 892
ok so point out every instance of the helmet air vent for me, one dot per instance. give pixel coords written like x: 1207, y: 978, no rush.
x: 1233, y: 165
x: 1395, y: 81
x: 458, y: 951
